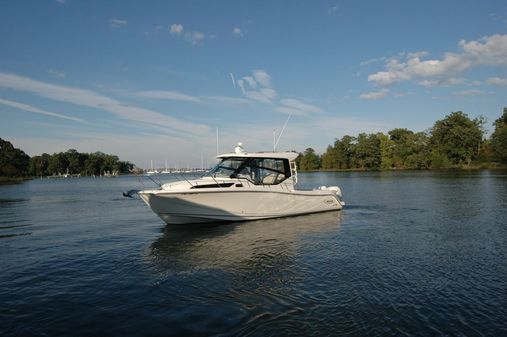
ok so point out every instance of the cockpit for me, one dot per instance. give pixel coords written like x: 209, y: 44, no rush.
x: 259, y: 171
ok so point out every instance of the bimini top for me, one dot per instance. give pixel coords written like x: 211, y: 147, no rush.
x: 239, y: 152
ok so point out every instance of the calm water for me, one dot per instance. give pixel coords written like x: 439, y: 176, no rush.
x: 413, y: 253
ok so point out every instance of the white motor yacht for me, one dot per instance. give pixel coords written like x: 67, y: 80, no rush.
x: 242, y: 186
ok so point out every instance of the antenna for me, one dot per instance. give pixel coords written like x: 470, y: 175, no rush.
x: 217, y: 144
x: 281, y: 133
x: 274, y: 140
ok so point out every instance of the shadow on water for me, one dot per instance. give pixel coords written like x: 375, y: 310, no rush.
x: 236, y: 245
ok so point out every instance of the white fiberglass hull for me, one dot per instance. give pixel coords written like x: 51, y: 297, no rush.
x: 236, y: 205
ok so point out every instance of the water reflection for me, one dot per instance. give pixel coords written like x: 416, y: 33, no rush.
x: 242, y: 245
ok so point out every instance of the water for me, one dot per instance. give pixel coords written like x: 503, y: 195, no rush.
x: 413, y: 253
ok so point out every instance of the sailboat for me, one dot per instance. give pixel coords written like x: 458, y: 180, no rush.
x: 166, y: 169
x: 151, y: 171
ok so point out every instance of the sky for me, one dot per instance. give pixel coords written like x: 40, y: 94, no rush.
x: 155, y: 80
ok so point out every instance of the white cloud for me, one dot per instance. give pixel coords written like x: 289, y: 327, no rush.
x: 374, y: 95
x: 474, y: 83
x: 94, y: 100
x: 30, y: 108
x: 176, y: 29
x: 264, y: 95
x: 169, y: 95
x: 451, y: 64
x: 259, y: 87
x: 489, y: 50
x: 117, y: 23
x: 386, y: 78
x: 226, y: 100
x: 251, y: 82
x: 194, y: 38
x: 178, y: 96
x: 469, y: 93
x: 262, y: 77
x: 445, y: 82
x: 237, y: 32
x: 291, y: 105
x: 372, y: 60
x: 62, y: 2
x: 332, y: 10
x: 56, y: 73
x: 241, y: 85
x: 429, y: 83
x: 496, y: 81
x: 402, y: 94
x: 287, y: 110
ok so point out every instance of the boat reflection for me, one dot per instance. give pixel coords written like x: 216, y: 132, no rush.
x: 272, y: 242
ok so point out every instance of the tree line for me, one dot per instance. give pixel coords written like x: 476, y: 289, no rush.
x: 455, y: 141
x: 16, y: 163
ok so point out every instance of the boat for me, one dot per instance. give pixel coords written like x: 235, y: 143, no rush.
x: 242, y: 186
x: 166, y: 170
x: 151, y: 171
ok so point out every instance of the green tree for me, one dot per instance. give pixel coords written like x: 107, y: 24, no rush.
x: 438, y: 160
x: 75, y: 161
x: 457, y: 137
x: 329, y: 158
x: 485, y: 154
x: 94, y: 163
x: 402, y: 139
x: 499, y: 139
x: 39, y: 165
x: 386, y: 152
x: 13, y: 161
x: 58, y: 164
x: 345, y: 149
x: 310, y: 160
x: 367, y: 151
x: 418, y: 155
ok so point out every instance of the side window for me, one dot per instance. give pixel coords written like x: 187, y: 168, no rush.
x: 272, y: 171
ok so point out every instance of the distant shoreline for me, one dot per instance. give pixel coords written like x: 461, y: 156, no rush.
x: 456, y: 168
x: 8, y: 180
x: 5, y: 180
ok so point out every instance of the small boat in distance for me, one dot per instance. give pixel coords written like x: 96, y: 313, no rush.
x: 242, y: 186
x: 151, y: 171
x: 166, y: 170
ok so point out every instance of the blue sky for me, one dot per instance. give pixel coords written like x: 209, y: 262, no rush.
x: 153, y: 80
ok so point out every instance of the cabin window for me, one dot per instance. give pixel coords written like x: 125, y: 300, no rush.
x: 259, y: 171
x: 212, y: 185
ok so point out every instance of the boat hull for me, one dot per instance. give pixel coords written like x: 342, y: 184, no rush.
x: 210, y: 206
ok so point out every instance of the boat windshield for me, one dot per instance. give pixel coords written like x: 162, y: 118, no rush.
x: 260, y: 171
